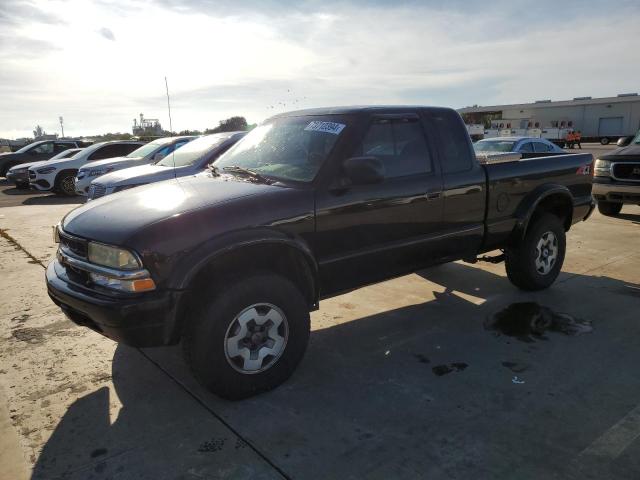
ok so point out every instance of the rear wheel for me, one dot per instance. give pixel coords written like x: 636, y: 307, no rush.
x: 609, y: 209
x: 65, y: 184
x: 22, y: 185
x: 604, y: 141
x: 536, y: 261
x: 249, y: 337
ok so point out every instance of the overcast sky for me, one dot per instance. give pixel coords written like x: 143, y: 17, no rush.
x: 100, y: 63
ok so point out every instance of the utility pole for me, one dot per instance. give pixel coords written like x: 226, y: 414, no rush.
x: 62, y: 125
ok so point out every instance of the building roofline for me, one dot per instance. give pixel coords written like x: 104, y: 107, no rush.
x: 548, y: 104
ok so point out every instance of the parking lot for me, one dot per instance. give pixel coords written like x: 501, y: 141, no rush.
x: 410, y: 378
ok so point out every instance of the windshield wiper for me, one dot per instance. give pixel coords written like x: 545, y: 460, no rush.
x: 214, y: 170
x: 250, y: 173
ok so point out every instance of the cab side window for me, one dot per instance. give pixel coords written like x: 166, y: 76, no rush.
x: 400, y: 144
x: 526, y: 147
x: 44, y: 148
x: 455, y: 155
x: 541, y: 147
x: 61, y: 147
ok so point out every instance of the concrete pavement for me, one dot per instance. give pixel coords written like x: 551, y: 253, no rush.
x: 371, y: 399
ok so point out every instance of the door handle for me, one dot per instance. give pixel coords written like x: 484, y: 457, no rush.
x: 433, y: 195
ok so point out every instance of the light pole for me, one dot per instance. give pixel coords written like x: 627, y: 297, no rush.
x: 62, y: 125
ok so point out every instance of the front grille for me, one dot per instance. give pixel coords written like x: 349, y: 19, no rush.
x: 627, y: 171
x: 96, y: 190
x: 74, y: 245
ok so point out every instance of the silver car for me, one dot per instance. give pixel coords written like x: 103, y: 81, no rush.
x: 192, y: 158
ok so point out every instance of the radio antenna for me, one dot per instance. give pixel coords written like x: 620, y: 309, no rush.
x: 166, y: 84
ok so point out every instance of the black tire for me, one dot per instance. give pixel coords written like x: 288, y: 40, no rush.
x: 4, y: 169
x: 610, y: 209
x: 520, y: 260
x: 22, y: 186
x: 64, y: 184
x: 212, y: 320
x: 604, y: 141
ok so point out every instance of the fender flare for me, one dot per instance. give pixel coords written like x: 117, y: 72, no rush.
x: 530, y: 203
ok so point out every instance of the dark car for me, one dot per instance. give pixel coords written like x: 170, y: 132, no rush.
x: 306, y: 206
x: 19, y: 174
x: 617, y: 178
x: 42, y: 150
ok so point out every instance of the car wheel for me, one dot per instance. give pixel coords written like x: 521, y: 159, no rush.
x: 65, y: 184
x: 249, y: 337
x: 604, y: 141
x: 609, y: 209
x: 22, y: 186
x: 536, y: 261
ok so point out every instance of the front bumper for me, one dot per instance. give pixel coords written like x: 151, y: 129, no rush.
x: 143, y: 320
x: 617, y: 192
x: 18, y: 178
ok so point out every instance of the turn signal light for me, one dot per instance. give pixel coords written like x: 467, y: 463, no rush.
x: 143, y: 285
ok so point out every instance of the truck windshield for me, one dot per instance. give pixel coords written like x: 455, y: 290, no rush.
x: 286, y: 148
x: 493, y: 146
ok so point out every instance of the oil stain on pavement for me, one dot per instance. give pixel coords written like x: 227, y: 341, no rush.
x: 529, y: 321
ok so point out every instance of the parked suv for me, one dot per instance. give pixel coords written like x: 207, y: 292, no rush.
x: 59, y: 176
x: 617, y: 177
x: 150, y: 153
x: 34, y: 152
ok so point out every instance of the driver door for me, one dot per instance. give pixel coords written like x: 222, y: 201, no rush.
x: 365, y: 233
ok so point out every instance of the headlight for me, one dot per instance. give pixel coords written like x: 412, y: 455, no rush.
x: 96, y: 172
x: 602, y: 168
x: 17, y: 170
x: 112, y: 257
x: 46, y: 170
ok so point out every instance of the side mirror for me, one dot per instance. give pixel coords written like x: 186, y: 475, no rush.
x: 624, y: 141
x: 364, y: 170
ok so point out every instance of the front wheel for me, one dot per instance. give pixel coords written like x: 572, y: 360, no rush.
x: 535, y: 263
x: 65, y: 184
x: 609, y: 209
x: 249, y: 337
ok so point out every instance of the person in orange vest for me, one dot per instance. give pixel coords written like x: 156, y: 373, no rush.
x: 570, y: 139
x: 576, y: 137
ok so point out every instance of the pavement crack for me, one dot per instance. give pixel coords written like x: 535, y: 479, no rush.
x: 217, y: 416
x: 15, y: 243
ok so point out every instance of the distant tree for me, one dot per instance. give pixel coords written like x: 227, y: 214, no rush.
x: 229, y: 125
x: 38, y: 132
x: 190, y: 132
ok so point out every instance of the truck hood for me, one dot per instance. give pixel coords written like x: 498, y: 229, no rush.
x: 628, y: 153
x: 140, y: 174
x: 116, y: 218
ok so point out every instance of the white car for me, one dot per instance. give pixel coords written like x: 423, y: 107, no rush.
x: 59, y: 175
x: 20, y: 173
x: 152, y: 152
x: 188, y: 160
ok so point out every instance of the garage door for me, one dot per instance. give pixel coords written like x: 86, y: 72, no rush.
x: 610, y: 126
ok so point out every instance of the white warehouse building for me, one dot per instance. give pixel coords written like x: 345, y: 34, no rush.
x: 604, y: 119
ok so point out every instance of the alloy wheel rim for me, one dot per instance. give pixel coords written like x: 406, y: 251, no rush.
x: 546, y: 253
x: 68, y: 185
x: 256, y: 338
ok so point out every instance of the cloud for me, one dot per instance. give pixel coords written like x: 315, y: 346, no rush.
x: 18, y: 12
x: 108, y: 34
x: 257, y: 58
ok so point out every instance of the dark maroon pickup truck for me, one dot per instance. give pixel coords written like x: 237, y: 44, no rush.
x: 308, y: 205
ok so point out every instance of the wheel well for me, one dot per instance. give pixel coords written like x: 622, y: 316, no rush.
x: 73, y: 171
x: 285, y: 260
x: 559, y: 205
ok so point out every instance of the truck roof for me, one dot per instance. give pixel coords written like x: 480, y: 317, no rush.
x: 345, y: 110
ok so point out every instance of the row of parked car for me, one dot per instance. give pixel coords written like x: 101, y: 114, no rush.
x: 72, y: 168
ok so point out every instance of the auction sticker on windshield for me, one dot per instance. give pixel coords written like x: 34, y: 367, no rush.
x: 325, y: 127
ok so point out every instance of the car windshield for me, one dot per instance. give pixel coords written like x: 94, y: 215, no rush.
x: 493, y: 146
x: 192, y: 151
x: 287, y: 148
x: 149, y: 148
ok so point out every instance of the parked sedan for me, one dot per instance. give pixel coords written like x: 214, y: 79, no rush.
x: 516, y: 145
x: 59, y: 176
x: 152, y: 152
x: 188, y: 160
x: 19, y: 175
